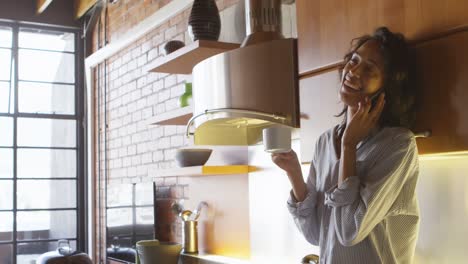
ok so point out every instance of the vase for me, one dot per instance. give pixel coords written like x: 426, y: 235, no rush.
x: 185, y: 98
x: 204, y: 21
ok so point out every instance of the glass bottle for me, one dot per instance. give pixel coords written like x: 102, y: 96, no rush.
x: 186, y: 98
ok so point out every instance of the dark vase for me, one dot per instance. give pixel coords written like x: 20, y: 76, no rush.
x: 204, y: 21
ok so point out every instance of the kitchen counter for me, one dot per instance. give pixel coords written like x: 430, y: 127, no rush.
x: 201, y: 258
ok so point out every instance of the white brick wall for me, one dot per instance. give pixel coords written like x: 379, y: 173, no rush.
x: 136, y: 150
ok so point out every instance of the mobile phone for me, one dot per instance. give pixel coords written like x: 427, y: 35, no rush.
x: 374, y: 98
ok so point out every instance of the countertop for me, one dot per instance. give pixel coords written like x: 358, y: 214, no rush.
x: 204, y: 258
x: 201, y: 258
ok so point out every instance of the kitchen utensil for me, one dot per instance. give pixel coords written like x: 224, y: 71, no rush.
x: 196, y: 213
x: 192, y: 157
x: 190, y: 236
x: 177, y: 208
x: 184, y: 215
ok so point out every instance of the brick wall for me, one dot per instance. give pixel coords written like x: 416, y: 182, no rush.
x: 126, y: 14
x: 126, y: 96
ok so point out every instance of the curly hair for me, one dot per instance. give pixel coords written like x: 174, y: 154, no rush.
x: 399, y: 109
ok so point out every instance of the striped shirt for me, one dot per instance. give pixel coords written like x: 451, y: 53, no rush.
x: 373, y: 217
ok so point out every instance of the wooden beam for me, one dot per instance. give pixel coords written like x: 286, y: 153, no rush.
x: 42, y: 5
x: 82, y: 6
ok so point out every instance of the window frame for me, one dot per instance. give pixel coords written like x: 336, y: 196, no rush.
x: 81, y: 172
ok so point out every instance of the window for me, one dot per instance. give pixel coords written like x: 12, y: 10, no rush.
x: 41, y: 141
x: 130, y: 218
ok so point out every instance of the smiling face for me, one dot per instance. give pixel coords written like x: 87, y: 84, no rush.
x: 363, y: 74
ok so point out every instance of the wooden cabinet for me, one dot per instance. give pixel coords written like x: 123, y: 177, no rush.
x: 442, y: 70
x: 326, y: 27
x: 325, y: 31
x: 442, y: 84
x: 319, y: 100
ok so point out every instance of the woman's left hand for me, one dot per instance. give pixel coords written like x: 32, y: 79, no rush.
x: 362, y: 121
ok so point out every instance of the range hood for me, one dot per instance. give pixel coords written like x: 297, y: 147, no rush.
x: 239, y: 93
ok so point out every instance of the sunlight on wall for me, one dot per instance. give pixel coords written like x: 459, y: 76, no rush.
x: 443, y: 198
x: 444, y: 156
x: 274, y: 237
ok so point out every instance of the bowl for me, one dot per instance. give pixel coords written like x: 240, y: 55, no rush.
x: 172, y: 46
x: 192, y: 157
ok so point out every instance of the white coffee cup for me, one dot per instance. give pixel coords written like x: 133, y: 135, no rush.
x: 277, y: 139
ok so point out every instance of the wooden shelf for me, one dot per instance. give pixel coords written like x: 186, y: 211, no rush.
x: 179, y: 116
x: 184, y: 59
x: 206, y: 170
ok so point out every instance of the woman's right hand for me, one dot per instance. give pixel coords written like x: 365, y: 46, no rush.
x: 288, y: 162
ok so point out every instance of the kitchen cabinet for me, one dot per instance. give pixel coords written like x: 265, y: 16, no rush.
x: 326, y: 27
x: 319, y: 101
x: 442, y: 79
x: 442, y: 96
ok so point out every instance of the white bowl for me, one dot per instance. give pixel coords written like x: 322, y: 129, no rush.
x: 192, y: 157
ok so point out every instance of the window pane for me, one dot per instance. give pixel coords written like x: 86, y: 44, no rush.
x: 46, y: 98
x: 119, y: 217
x: 6, y: 131
x: 5, y: 37
x: 115, y: 239
x: 40, y: 225
x: 46, y: 39
x: 6, y: 228
x: 144, y: 194
x: 46, y: 66
x: 144, y: 216
x: 29, y: 252
x: 119, y: 195
x: 6, y: 254
x: 6, y: 195
x: 5, y: 61
x: 40, y: 132
x: 6, y: 97
x: 46, y: 163
x: 6, y: 163
x: 45, y: 194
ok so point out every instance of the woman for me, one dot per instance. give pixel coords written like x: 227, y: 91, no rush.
x: 358, y: 203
